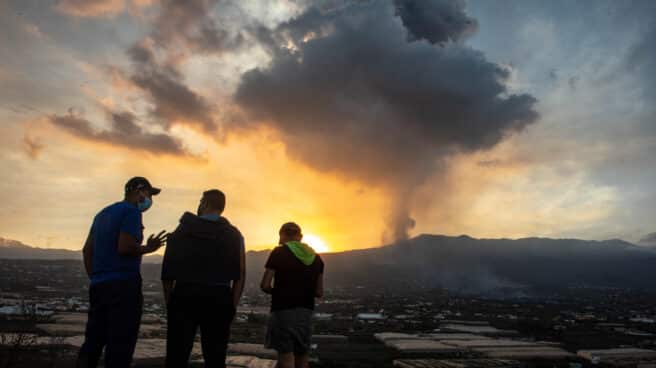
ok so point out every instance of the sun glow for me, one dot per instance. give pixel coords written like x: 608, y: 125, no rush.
x: 316, y: 243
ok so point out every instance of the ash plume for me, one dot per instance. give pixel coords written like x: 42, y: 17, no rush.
x: 380, y: 91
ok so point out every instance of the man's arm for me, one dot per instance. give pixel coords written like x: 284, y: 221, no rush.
x: 318, y: 291
x: 128, y: 246
x: 87, y: 253
x: 238, y: 285
x: 267, y: 279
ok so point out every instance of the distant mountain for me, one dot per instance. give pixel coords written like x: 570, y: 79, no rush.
x: 14, y: 249
x: 467, y: 264
x: 459, y: 263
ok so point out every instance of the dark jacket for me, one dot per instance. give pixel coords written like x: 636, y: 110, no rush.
x: 202, y: 251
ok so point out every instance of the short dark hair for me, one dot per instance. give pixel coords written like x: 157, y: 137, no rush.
x: 215, y: 199
x: 290, y: 229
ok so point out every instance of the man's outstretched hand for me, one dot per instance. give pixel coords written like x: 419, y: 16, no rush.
x: 155, y: 242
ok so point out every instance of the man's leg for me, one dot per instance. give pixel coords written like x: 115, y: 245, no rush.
x: 301, y: 330
x: 123, y: 323
x: 216, y: 319
x: 181, y: 330
x: 278, y: 337
x: 301, y: 360
x: 285, y: 360
x: 95, y: 336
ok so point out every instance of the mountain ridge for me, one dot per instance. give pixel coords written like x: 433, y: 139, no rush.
x: 75, y: 254
x: 466, y: 264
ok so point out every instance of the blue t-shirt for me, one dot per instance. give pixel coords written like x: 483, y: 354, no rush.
x: 108, y: 265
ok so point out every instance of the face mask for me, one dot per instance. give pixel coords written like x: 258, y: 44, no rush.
x: 145, y: 205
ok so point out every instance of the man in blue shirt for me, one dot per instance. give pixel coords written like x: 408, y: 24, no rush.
x: 112, y: 258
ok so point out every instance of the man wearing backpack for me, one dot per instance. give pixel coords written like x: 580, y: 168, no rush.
x: 203, y: 274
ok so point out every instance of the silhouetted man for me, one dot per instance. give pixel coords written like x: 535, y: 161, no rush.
x: 203, y: 274
x: 112, y: 258
x: 297, y: 275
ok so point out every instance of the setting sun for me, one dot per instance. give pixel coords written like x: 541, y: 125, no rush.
x: 316, y: 243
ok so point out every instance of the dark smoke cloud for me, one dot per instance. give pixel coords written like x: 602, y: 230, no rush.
x: 173, y: 101
x: 435, y: 21
x: 354, y: 96
x: 123, y: 132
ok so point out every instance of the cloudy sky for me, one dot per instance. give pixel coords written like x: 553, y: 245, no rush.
x: 364, y: 121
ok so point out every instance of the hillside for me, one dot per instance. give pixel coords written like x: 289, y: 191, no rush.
x: 459, y: 263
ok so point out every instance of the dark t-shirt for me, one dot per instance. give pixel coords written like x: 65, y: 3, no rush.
x: 294, y: 284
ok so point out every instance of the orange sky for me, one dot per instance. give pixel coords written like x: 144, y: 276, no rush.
x: 576, y: 171
x: 72, y: 179
x: 263, y: 187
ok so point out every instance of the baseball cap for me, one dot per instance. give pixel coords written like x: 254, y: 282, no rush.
x: 138, y: 183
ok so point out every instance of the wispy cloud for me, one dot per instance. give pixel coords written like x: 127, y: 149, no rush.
x: 91, y: 8
x: 32, y: 146
x: 124, y: 132
x: 100, y: 8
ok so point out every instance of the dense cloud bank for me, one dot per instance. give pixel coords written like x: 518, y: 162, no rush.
x: 382, y: 91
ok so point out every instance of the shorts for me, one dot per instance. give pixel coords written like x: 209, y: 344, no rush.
x: 290, y: 331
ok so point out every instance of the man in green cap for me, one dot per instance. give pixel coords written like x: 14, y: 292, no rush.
x: 293, y: 277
